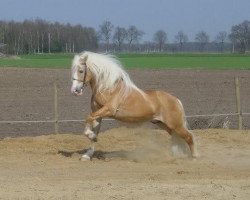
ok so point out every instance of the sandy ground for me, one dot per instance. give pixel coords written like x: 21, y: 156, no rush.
x: 128, y: 164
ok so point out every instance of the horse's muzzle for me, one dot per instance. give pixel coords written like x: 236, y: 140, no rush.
x: 77, y: 91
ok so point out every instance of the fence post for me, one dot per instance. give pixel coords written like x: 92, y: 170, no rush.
x: 238, y: 101
x: 56, y: 108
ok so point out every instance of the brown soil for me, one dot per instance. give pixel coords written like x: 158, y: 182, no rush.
x: 128, y: 164
x: 27, y: 94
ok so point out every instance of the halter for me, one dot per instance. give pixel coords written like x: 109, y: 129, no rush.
x: 84, y: 79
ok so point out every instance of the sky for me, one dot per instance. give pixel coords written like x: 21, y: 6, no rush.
x: 190, y: 16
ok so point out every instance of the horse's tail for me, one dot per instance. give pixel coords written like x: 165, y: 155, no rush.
x: 178, y: 145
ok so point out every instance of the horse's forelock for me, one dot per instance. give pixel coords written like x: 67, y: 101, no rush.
x: 75, y: 63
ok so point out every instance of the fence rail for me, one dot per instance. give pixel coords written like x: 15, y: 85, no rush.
x: 107, y: 119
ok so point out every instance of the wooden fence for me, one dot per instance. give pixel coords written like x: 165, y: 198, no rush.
x: 56, y: 121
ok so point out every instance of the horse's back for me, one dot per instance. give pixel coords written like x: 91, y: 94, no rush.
x: 161, y: 96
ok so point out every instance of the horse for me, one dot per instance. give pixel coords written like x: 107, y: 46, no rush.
x: 114, y: 95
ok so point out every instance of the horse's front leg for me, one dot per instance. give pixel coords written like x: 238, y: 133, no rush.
x: 92, y: 134
x: 96, y: 125
x: 93, y: 122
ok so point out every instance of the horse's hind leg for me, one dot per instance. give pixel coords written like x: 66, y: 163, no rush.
x: 188, y: 137
x: 181, y: 137
x: 161, y: 125
x: 173, y: 116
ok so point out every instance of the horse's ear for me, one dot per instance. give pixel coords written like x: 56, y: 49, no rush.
x: 84, y: 59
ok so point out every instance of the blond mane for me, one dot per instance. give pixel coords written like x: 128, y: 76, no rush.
x: 107, y: 70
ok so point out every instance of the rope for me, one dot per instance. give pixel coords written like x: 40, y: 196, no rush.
x: 217, y: 115
x: 76, y: 120
x: 39, y: 121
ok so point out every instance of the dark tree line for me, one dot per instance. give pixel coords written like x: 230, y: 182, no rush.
x: 40, y: 36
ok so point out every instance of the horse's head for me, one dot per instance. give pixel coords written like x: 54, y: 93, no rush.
x: 104, y: 72
x: 79, y: 74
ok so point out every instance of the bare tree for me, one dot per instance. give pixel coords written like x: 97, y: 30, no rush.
x: 1, y: 34
x: 181, y: 38
x: 42, y: 29
x: 220, y: 38
x: 42, y: 36
x: 160, y: 37
x: 148, y: 46
x: 202, y: 38
x: 119, y: 36
x: 105, y: 32
x: 133, y: 35
x: 240, y: 34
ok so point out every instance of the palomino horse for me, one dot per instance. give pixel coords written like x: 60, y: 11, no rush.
x: 114, y: 95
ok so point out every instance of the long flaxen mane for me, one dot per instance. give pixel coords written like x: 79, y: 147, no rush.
x: 107, y: 71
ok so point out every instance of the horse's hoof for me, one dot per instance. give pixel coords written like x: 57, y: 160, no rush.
x: 195, y: 158
x: 85, y: 158
x: 88, y: 155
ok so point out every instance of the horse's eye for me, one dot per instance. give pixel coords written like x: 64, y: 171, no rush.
x: 81, y: 71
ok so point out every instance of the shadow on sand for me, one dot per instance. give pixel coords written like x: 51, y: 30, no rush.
x: 100, y: 155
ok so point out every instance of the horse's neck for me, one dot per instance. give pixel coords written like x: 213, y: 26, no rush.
x: 106, y: 95
x: 93, y: 85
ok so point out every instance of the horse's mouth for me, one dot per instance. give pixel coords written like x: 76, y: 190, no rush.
x: 77, y: 92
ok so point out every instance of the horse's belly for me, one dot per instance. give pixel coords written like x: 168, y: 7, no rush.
x: 133, y: 116
x: 133, y: 119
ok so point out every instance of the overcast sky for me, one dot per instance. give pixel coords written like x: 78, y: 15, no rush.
x: 191, y: 16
